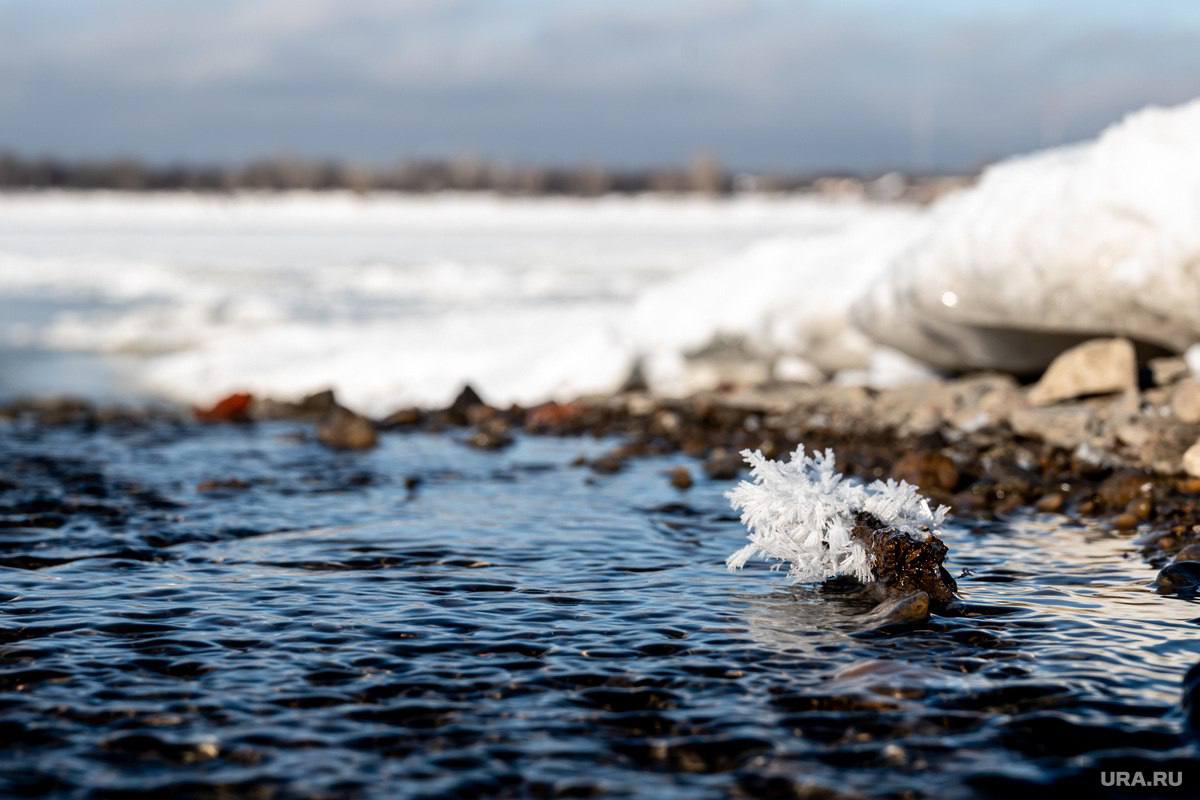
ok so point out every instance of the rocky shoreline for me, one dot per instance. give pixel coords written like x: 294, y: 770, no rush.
x: 1094, y: 438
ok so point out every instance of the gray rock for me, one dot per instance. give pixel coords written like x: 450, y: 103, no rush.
x: 1191, y: 460
x: 1066, y: 426
x: 1185, y: 401
x: 1168, y: 370
x: 1098, y: 366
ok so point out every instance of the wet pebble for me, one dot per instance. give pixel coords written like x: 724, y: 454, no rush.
x: 931, y: 471
x: 681, y: 477
x: 1181, y: 578
x: 342, y: 429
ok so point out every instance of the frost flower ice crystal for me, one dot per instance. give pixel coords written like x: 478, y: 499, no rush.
x: 803, y: 511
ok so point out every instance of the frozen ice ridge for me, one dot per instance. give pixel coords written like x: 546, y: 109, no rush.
x: 803, y: 512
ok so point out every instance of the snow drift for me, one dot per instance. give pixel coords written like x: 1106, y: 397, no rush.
x: 1101, y: 238
x: 784, y: 296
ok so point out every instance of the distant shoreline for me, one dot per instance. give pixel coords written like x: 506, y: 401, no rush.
x: 703, y: 176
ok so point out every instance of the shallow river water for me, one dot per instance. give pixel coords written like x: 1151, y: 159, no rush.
x: 219, y: 611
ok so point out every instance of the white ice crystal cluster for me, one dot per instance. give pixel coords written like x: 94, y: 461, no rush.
x: 802, y: 511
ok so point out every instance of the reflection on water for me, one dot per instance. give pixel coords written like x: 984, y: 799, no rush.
x: 427, y: 619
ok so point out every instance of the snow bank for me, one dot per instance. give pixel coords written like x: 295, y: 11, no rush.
x: 1098, y: 238
x: 788, y: 296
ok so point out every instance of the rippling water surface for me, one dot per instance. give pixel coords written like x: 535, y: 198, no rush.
x: 223, y: 612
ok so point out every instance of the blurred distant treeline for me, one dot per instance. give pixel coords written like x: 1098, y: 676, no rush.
x: 704, y: 175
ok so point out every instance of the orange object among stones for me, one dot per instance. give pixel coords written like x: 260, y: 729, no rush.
x: 233, y: 408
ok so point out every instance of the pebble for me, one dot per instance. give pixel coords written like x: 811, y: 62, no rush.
x: 1191, y: 460
x: 404, y: 418
x: 1098, y: 366
x: 231, y: 408
x: 457, y: 412
x: 490, y: 437
x: 342, y: 429
x: 607, y: 464
x: 1185, y: 401
x: 551, y: 417
x: 312, y: 407
x: 681, y: 477
x: 1189, y: 552
x: 929, y: 471
x: 1180, y: 577
x: 1125, y: 522
x: 1167, y: 370
x: 1122, y: 488
x: 1051, y: 503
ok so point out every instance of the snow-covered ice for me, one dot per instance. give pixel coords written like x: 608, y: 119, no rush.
x: 394, y: 300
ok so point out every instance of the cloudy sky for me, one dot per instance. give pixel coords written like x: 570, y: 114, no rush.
x: 776, y: 84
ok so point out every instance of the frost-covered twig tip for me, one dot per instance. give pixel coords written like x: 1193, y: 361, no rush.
x: 803, y: 511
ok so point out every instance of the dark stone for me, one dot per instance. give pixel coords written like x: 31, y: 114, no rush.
x: 311, y: 408
x: 1181, y: 578
x: 904, y: 564
x: 607, y: 464
x: 342, y: 429
x: 555, y: 417
x: 489, y: 440
x: 460, y: 411
x: 1051, y: 503
x: 492, y: 434
x: 403, y: 418
x: 635, y: 381
x: 930, y: 471
x: 1189, y: 552
x: 681, y: 478
x: 1125, y: 522
x: 1120, y: 489
x: 468, y: 398
x: 321, y: 402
